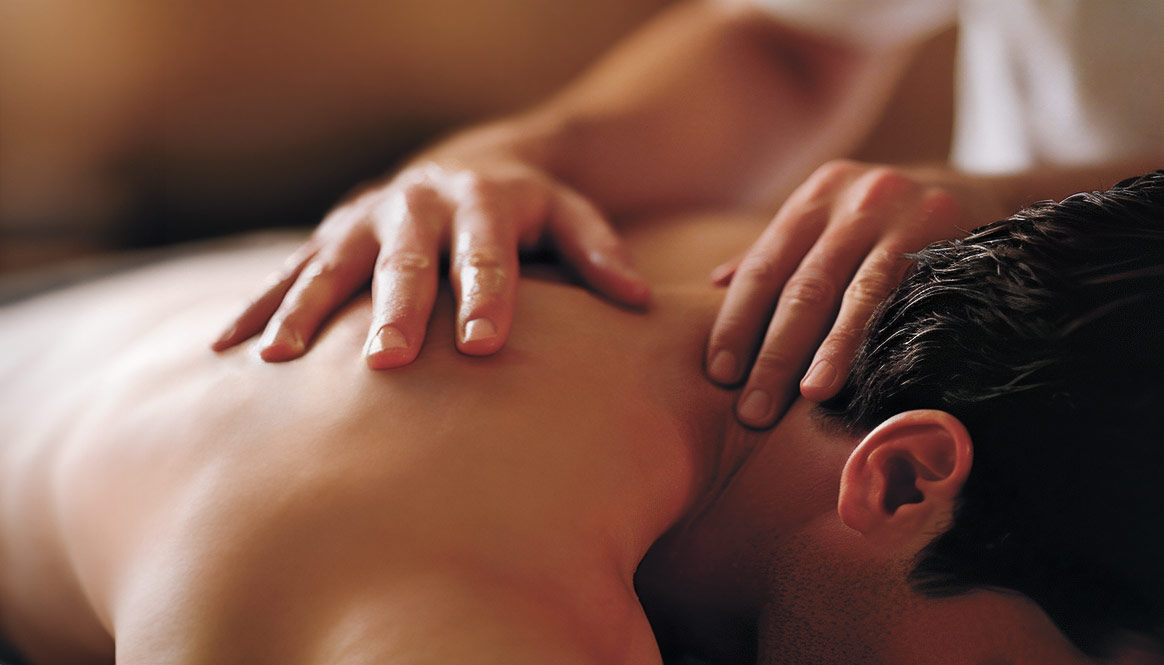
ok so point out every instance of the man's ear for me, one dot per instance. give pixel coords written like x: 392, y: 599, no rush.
x: 905, y: 476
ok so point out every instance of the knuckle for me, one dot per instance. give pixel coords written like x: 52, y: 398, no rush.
x: 479, y: 303
x: 881, y: 184
x: 869, y: 290
x: 858, y: 223
x: 809, y: 291
x: 475, y: 186
x: 292, y: 266
x: 482, y: 271
x: 277, y: 279
x: 758, y: 268
x: 483, y: 280
x: 890, y: 263
x: 416, y: 195
x: 350, y: 204
x: 835, y: 169
x: 404, y: 262
x: 729, y: 331
x: 482, y: 258
x: 526, y: 186
x: 531, y: 198
x: 771, y: 363
x: 412, y: 207
x: 414, y: 201
x: 317, y: 281
x: 888, y: 177
x: 322, y: 271
x: 360, y: 206
x: 825, y: 179
x: 941, y: 207
x: 843, y: 336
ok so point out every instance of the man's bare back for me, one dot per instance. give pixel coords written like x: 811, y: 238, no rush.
x: 194, y: 507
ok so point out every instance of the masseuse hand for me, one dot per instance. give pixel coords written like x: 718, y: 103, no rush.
x: 832, y: 253
x: 478, y: 198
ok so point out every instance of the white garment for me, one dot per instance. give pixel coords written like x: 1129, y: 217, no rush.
x: 1039, y: 82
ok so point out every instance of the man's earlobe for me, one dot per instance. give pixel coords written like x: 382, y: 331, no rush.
x: 904, y: 475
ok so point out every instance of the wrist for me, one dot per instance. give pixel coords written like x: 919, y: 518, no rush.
x: 544, y: 138
x: 534, y: 139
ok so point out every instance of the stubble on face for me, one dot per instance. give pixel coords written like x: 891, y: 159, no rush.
x: 825, y: 609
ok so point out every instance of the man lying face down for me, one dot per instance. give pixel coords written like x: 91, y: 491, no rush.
x: 999, y: 452
x: 985, y: 490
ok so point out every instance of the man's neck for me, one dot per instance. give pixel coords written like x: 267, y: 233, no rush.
x: 704, y: 410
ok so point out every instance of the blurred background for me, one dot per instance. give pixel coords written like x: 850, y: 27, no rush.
x: 140, y: 123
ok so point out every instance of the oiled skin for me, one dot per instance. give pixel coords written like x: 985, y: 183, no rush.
x: 187, y: 507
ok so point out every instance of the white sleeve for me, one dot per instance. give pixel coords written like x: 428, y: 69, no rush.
x: 874, y: 23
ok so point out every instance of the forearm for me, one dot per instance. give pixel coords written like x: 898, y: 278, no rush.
x: 984, y: 198
x: 1016, y: 190
x: 710, y: 103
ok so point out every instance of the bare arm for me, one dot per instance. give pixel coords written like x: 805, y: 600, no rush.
x: 1020, y: 189
x: 711, y: 102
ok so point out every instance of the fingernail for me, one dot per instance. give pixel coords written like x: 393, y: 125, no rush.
x: 723, y: 367
x: 478, y: 329
x: 387, y: 339
x: 721, y: 273
x: 616, y: 263
x: 639, y: 293
x: 821, y: 375
x: 281, y: 344
x: 610, y: 261
x: 219, y: 344
x: 755, y: 406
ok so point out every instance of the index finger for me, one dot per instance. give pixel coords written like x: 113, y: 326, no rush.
x: 589, y: 243
x: 751, y: 297
x: 260, y: 310
x: 803, y: 312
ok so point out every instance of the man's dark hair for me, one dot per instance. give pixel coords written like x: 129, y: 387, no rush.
x: 1044, y: 335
